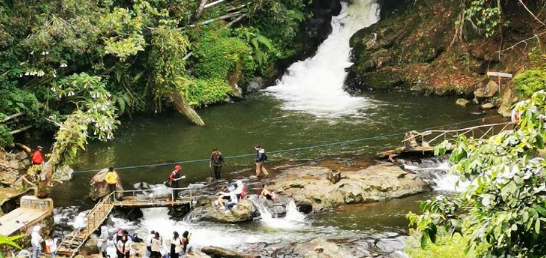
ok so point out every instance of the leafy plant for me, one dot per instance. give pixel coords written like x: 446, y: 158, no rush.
x: 485, y: 14
x: 529, y: 82
x: 260, y: 45
x: 10, y: 241
x: 505, y: 204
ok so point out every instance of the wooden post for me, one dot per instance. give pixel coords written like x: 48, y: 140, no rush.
x: 499, y: 75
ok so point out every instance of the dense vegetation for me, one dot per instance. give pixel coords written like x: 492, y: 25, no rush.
x: 503, y: 211
x: 114, y: 57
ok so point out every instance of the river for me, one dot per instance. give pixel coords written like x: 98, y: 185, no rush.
x: 306, y: 115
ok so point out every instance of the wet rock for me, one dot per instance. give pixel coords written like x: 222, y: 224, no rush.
x: 14, y: 163
x: 488, y: 90
x: 244, y: 211
x: 217, y: 252
x: 487, y: 105
x: 322, y: 247
x: 508, y: 97
x: 22, y: 155
x: 255, y: 85
x: 375, y: 183
x: 462, y: 102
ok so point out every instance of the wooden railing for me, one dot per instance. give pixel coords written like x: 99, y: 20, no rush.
x: 428, y: 139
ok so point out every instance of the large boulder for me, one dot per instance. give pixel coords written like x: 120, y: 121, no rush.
x: 244, y: 211
x: 380, y: 182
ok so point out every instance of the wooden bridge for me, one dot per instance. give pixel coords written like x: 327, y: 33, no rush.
x: 73, y: 241
x: 423, y: 142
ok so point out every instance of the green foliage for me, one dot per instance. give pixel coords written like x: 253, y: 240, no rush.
x: 485, y: 14
x: 92, y: 103
x: 9, y: 241
x: 217, y: 53
x: 5, y: 137
x: 505, y: 204
x: 261, y: 46
x: 204, y: 92
x: 529, y: 82
x: 446, y: 245
x: 132, y: 53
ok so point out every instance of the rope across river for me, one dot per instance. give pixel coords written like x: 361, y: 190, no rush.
x: 288, y: 150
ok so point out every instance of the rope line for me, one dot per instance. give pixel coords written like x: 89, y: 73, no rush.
x: 285, y: 150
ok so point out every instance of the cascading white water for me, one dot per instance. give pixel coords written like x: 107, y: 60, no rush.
x: 443, y: 182
x: 315, y: 86
x: 292, y: 220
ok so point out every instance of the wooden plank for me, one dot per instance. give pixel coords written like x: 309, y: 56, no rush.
x: 20, y: 218
x: 499, y: 74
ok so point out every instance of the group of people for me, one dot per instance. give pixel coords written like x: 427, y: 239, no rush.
x: 175, y: 247
x: 122, y: 244
x: 217, y: 161
x: 229, y: 196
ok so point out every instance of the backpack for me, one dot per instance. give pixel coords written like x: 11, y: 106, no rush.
x: 264, y: 156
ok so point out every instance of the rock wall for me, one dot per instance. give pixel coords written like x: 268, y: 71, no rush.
x: 418, y: 45
x: 309, y: 185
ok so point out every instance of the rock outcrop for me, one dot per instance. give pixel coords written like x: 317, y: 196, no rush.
x: 422, y: 45
x: 207, y: 211
x: 309, y: 185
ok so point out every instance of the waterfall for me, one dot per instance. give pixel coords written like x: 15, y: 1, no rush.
x: 315, y: 85
x: 292, y: 220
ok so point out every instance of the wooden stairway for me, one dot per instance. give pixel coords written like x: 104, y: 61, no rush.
x: 72, y: 242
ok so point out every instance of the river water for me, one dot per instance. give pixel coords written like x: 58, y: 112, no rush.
x: 307, y: 115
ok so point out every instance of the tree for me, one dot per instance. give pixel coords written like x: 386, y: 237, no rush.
x: 505, y: 205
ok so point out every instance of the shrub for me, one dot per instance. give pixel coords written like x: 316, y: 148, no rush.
x: 529, y: 82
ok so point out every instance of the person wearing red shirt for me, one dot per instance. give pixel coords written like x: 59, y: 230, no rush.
x: 37, y: 157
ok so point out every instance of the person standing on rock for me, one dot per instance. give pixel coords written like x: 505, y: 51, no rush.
x: 37, y: 161
x: 216, y: 162
x: 111, y: 179
x: 174, y: 178
x: 124, y: 246
x: 102, y: 241
x: 175, y: 245
x: 261, y: 157
x: 156, y: 246
x: 36, y: 242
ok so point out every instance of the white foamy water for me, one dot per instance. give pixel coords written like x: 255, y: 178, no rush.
x: 293, y: 219
x: 315, y: 85
x: 447, y: 182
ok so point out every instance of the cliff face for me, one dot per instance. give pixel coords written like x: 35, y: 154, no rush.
x: 420, y: 45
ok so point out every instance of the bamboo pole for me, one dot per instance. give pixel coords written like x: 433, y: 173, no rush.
x: 12, y: 117
x: 236, y: 20
x: 20, y: 130
x: 213, y: 4
x: 201, y: 8
x: 223, y: 17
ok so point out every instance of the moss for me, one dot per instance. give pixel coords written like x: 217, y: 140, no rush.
x: 384, y: 81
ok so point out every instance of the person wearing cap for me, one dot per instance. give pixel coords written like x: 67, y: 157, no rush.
x: 260, y: 158
x: 216, y: 162
x: 174, y: 178
x: 111, y: 179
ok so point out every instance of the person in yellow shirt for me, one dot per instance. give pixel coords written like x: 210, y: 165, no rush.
x: 111, y: 179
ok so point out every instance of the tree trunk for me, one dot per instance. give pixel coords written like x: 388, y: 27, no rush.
x: 185, y: 109
x: 201, y: 8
